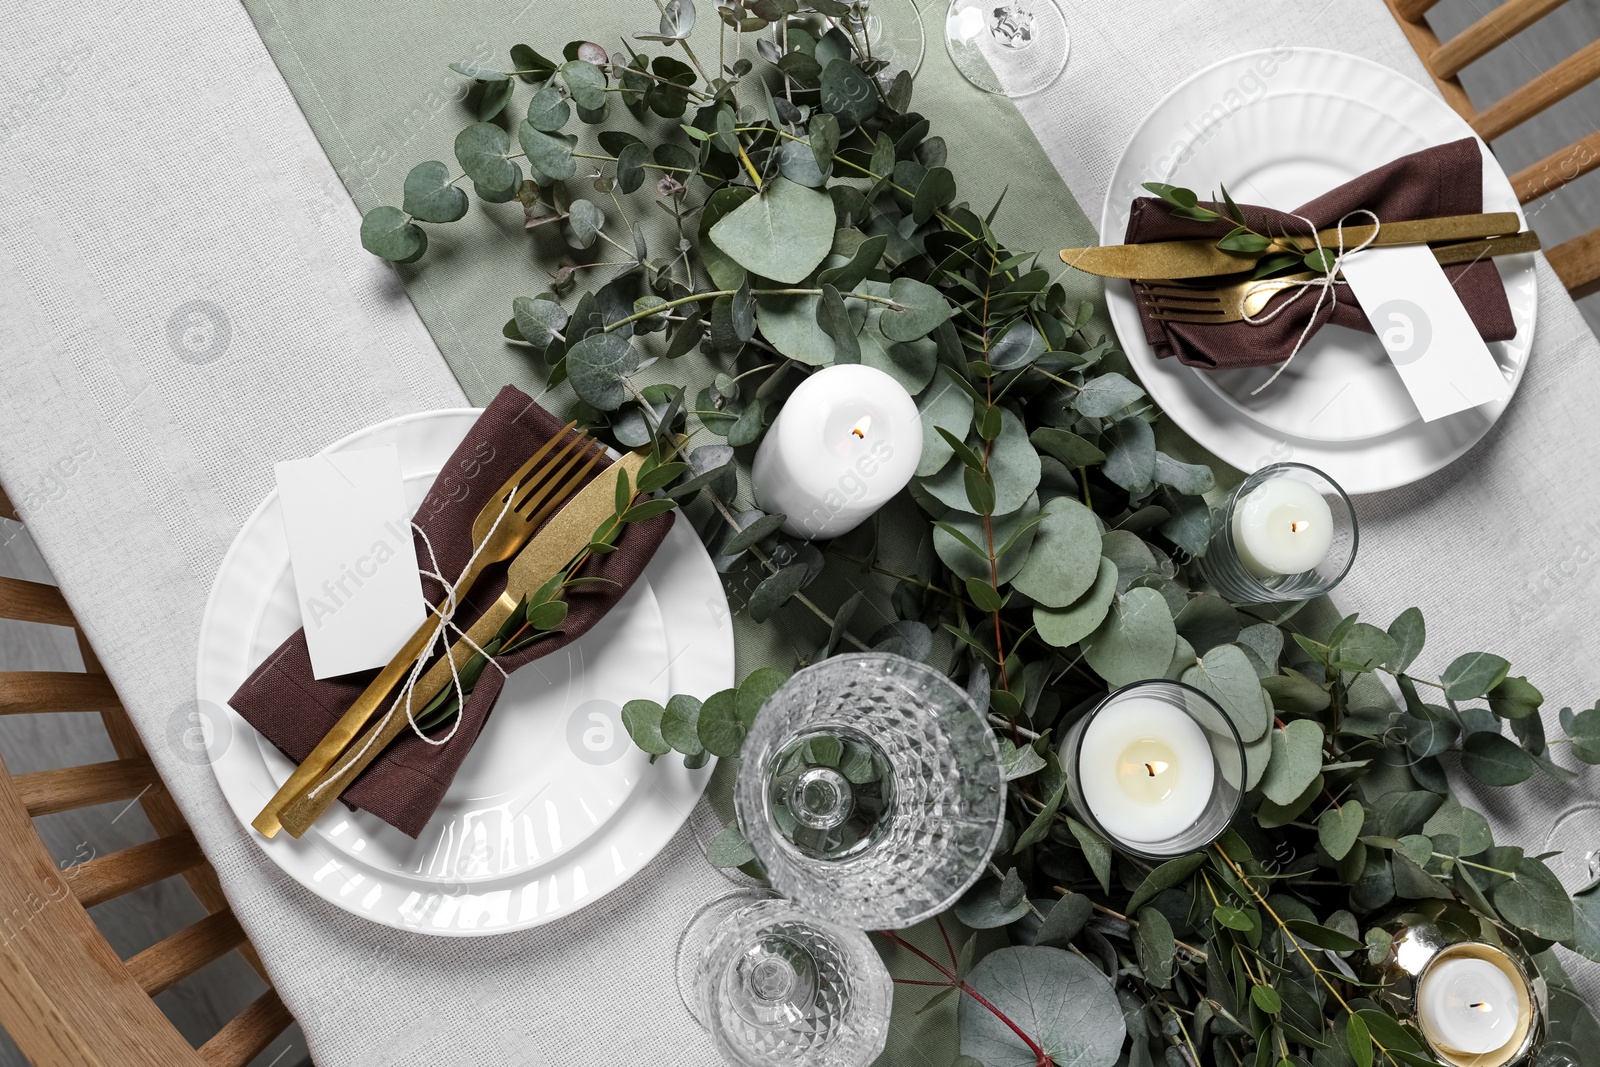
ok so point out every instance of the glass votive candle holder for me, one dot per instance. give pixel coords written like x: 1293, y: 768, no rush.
x: 1288, y: 533
x: 1156, y: 768
x: 1466, y: 983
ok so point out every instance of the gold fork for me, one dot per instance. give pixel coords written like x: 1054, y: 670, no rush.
x: 557, y: 544
x: 549, y: 477
x: 1175, y: 302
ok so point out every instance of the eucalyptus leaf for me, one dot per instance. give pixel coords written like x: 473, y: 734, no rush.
x: 782, y: 234
x: 1059, y: 1000
x: 1065, y: 627
x: 1065, y: 559
x: 431, y: 196
x: 388, y: 233
x: 1225, y: 675
x: 1135, y: 641
x: 596, y: 367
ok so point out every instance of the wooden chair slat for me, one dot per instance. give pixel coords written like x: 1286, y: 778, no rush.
x: 33, y: 602
x: 69, y: 788
x: 26, y: 692
x: 1413, y: 10
x: 1550, y: 87
x: 1577, y: 263
x: 174, y: 958
x: 108, y: 877
x: 1424, y: 42
x: 249, y: 1033
x: 1488, y: 33
x: 1557, y: 169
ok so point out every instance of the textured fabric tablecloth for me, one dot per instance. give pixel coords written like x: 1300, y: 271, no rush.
x: 204, y: 308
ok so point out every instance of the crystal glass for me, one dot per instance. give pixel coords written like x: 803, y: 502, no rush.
x: 871, y: 790
x: 886, y: 32
x: 775, y: 986
x: 1576, y: 836
x: 1010, y: 47
x: 1140, y: 735
x: 1239, y: 583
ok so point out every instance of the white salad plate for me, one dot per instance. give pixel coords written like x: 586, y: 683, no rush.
x: 1279, y: 128
x: 554, y: 806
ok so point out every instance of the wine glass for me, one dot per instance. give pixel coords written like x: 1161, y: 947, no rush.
x: 871, y: 790
x: 776, y: 987
x: 1576, y: 836
x: 886, y: 32
x: 1010, y: 47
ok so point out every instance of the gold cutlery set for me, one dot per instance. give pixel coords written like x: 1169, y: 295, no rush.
x: 1161, y: 267
x: 541, y: 519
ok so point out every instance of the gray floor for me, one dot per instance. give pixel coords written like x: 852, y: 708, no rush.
x: 198, y: 1007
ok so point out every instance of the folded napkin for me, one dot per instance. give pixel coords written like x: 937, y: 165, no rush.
x: 1446, y: 180
x: 405, y: 784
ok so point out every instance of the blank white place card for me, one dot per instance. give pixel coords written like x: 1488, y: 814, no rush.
x: 355, y: 567
x: 1432, y: 341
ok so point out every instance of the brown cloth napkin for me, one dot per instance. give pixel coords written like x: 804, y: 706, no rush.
x: 405, y: 784
x: 1445, y: 180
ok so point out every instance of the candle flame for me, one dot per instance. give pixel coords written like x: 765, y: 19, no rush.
x: 1299, y: 526
x: 1483, y: 1006
x: 1156, y: 767
x: 859, y: 430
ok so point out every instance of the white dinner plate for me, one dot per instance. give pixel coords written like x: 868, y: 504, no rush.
x: 1279, y: 128
x: 554, y: 806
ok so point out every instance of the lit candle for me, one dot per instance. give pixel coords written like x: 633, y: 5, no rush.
x: 1474, y: 1005
x: 1283, y: 527
x: 1146, y: 770
x: 845, y: 441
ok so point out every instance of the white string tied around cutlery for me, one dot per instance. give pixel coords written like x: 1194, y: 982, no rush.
x: 1326, y: 286
x: 445, y: 611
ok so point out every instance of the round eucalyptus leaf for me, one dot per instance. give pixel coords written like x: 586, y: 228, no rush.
x: 1135, y: 641
x: 948, y: 405
x: 1130, y: 454
x: 847, y: 93
x: 1056, y: 998
x: 472, y: 68
x: 1225, y: 674
x: 630, y: 165
x: 1067, y: 626
x: 430, y: 195
x: 548, y: 111
x: 1065, y: 559
x: 789, y: 324
x: 1019, y: 530
x: 481, y: 149
x: 1019, y: 346
x: 549, y: 154
x: 988, y: 905
x: 596, y: 366
x: 1106, y: 395
x: 586, y: 82
x: 1013, y: 464
x: 919, y: 309
x: 538, y: 321
x: 388, y: 232
x: 911, y: 363
x: 798, y: 163
x: 584, y: 221
x: 1296, y: 761
x: 723, y: 270
x: 677, y: 20
x: 782, y: 233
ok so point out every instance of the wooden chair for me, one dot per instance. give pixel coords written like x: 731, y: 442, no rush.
x: 65, y: 996
x: 1577, y: 261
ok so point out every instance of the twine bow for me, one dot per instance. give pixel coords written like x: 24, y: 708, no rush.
x: 1326, y: 286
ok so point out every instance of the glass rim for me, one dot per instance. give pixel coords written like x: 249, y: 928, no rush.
x: 1086, y: 814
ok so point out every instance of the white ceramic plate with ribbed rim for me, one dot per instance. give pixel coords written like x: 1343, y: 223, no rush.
x: 1280, y: 127
x: 554, y: 807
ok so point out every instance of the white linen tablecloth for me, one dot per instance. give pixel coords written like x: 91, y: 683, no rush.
x: 182, y: 301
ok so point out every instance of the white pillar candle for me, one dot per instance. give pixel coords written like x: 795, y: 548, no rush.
x: 1473, y: 1005
x: 845, y: 441
x: 1284, y: 526
x: 1146, y: 770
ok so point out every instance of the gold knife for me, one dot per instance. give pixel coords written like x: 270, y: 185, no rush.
x: 1201, y: 258
x: 567, y: 533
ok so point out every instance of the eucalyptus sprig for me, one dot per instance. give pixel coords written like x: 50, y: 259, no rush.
x: 788, y: 211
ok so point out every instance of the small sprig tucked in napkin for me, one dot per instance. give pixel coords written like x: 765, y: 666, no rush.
x: 1435, y: 182
x: 405, y: 785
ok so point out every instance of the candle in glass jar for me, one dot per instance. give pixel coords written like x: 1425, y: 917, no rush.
x: 1474, y: 1005
x: 1283, y: 527
x: 845, y: 441
x: 1146, y: 771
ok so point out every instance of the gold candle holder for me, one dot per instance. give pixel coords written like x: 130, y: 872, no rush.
x: 1425, y: 941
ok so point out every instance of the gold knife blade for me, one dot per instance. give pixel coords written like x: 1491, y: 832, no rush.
x: 565, y: 535
x: 1202, y: 258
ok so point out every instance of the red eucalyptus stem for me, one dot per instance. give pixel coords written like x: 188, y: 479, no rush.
x: 1033, y: 1046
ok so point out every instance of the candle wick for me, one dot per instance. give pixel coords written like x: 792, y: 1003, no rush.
x: 1298, y: 525
x: 1481, y: 1005
x: 858, y: 433
x: 1155, y: 768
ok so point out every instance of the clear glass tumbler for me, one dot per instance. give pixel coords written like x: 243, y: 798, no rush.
x: 1244, y: 578
x: 1156, y: 768
x: 871, y: 790
x: 776, y: 987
